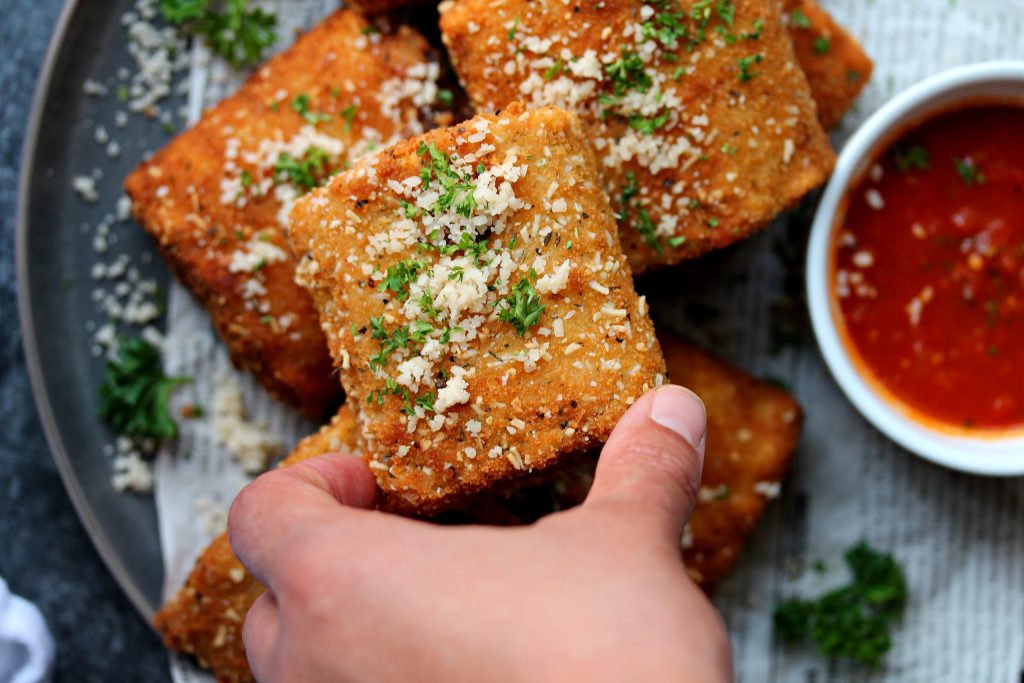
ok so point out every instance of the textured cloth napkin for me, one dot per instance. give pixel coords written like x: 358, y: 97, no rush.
x: 26, y: 647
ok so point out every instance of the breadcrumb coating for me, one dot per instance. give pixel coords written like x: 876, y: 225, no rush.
x: 836, y: 65
x: 683, y: 102
x: 476, y: 300
x: 217, y: 197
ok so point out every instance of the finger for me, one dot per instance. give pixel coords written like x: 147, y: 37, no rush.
x: 268, y: 512
x: 259, y: 634
x: 651, y: 465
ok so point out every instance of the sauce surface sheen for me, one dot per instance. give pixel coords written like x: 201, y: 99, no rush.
x: 929, y: 268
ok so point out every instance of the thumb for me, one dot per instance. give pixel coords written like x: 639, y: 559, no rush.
x: 651, y: 465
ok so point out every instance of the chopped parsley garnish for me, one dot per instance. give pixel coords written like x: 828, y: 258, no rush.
x: 756, y: 33
x: 457, y: 189
x: 180, y: 11
x: 914, y: 157
x: 822, y: 45
x: 246, y: 179
x: 799, y: 19
x: 629, y: 190
x: 645, y: 226
x: 677, y: 241
x: 522, y: 307
x: 306, y: 173
x: 400, y: 276
x: 850, y: 622
x: 554, y: 70
x: 301, y: 105
x: 446, y: 97
x: 349, y: 115
x: 135, y: 392
x: 648, y: 126
x: 427, y: 400
x: 512, y: 31
x: 410, y: 210
x: 389, y: 343
x: 666, y: 26
x: 230, y: 28
x: 745, y: 64
x: 627, y: 73
x: 426, y: 304
x: 969, y: 172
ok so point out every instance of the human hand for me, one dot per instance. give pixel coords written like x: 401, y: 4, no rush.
x: 595, y: 593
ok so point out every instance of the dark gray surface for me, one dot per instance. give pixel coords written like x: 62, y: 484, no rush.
x: 44, y: 552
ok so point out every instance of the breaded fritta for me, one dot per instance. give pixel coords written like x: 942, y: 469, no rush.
x: 475, y: 296
x: 205, y: 618
x: 703, y: 123
x: 753, y: 429
x: 217, y: 197
x: 836, y: 65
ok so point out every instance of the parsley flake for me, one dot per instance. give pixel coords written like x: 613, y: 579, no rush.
x: 306, y: 173
x: 969, y: 172
x: 914, y: 157
x: 745, y: 64
x: 522, y: 307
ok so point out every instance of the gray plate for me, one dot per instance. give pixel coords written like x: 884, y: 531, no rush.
x: 54, y: 259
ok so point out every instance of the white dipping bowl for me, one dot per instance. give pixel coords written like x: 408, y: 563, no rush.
x: 986, y: 452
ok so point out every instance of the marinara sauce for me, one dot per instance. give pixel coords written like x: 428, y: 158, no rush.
x: 929, y: 268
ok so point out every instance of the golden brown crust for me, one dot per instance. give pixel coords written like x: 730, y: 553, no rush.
x: 205, y: 618
x: 836, y: 65
x: 527, y: 400
x: 720, y: 138
x: 753, y: 429
x: 213, y: 199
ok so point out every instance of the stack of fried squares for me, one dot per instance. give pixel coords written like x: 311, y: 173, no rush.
x: 472, y: 286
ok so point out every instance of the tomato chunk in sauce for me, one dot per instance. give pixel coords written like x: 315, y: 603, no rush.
x: 928, y: 268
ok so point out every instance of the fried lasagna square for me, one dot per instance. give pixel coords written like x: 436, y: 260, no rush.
x: 218, y: 196
x: 703, y: 122
x: 474, y: 294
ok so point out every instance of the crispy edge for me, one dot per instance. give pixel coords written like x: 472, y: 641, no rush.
x: 591, y: 422
x: 293, y: 363
x: 753, y: 430
x: 837, y: 77
x: 204, y: 619
x: 727, y: 210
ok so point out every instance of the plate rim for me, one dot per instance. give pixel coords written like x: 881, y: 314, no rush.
x: 33, y: 361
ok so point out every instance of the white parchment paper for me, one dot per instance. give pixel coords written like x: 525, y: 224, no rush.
x: 960, y: 538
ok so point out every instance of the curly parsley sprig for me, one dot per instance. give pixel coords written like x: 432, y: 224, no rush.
x: 851, y: 622
x: 135, y: 392
x: 232, y: 30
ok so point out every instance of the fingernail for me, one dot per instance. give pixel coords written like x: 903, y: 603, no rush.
x: 683, y: 412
